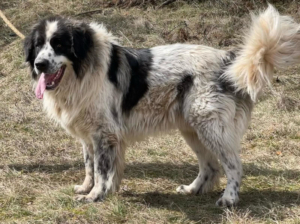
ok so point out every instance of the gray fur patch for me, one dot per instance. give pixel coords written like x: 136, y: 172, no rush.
x: 105, y: 156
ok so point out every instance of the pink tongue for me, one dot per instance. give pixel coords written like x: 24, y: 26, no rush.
x: 41, y: 87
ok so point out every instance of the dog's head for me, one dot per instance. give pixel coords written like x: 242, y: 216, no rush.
x: 54, y: 47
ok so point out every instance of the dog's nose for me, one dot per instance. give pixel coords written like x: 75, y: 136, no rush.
x: 42, y: 65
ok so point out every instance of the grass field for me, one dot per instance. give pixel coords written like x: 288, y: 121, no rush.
x: 39, y: 163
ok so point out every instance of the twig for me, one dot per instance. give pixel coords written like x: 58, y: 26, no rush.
x: 89, y: 12
x: 181, y: 23
x: 165, y: 3
x: 11, y: 25
x: 126, y: 38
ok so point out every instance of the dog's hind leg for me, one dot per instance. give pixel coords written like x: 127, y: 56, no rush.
x: 221, y: 138
x: 219, y: 125
x: 88, y: 183
x: 209, y: 171
x: 108, y: 166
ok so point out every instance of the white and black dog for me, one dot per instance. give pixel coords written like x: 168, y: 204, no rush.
x: 107, y: 95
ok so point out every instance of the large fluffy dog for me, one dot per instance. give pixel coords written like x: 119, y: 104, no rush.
x: 107, y: 95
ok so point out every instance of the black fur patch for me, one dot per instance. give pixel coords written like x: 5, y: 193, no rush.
x: 223, y: 85
x: 228, y: 60
x: 114, y: 64
x: 183, y: 87
x: 104, y: 164
x: 33, y: 44
x: 139, y: 61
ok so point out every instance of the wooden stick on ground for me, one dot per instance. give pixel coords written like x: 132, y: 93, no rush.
x: 11, y: 25
x: 89, y: 12
x: 165, y: 3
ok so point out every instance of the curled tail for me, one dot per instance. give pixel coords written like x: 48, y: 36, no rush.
x: 272, y: 41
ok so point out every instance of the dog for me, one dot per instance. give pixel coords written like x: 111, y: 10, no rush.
x: 108, y: 96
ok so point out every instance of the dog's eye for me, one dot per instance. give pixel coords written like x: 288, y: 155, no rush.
x: 56, y: 43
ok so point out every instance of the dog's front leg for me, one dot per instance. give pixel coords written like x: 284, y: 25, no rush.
x: 88, y: 183
x: 108, y: 166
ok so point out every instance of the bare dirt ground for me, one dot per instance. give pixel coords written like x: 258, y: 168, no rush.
x: 39, y: 163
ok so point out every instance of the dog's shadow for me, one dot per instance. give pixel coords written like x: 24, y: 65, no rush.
x: 189, y: 171
x: 200, y: 208
x: 254, y: 202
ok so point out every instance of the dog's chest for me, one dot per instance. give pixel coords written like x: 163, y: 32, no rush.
x: 78, y: 123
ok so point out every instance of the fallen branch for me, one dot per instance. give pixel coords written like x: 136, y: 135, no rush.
x: 11, y: 25
x: 89, y: 12
x: 165, y: 3
x: 126, y: 38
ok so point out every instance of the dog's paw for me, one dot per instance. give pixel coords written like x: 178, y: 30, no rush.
x: 227, y: 201
x: 184, y: 189
x: 80, y: 189
x: 86, y: 198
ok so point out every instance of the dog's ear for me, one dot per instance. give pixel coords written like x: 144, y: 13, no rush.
x: 82, y: 37
x: 29, y: 53
x: 28, y: 48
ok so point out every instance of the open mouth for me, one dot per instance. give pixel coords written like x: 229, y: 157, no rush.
x: 49, y: 82
x: 54, y: 79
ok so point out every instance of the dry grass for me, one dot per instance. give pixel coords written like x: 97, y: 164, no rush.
x: 40, y: 163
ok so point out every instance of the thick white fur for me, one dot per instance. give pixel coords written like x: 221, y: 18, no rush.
x: 272, y: 41
x: 210, y: 118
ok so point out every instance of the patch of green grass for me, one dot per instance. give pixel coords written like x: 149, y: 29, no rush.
x: 119, y: 211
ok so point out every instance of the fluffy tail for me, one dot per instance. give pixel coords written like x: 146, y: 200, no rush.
x: 272, y: 41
